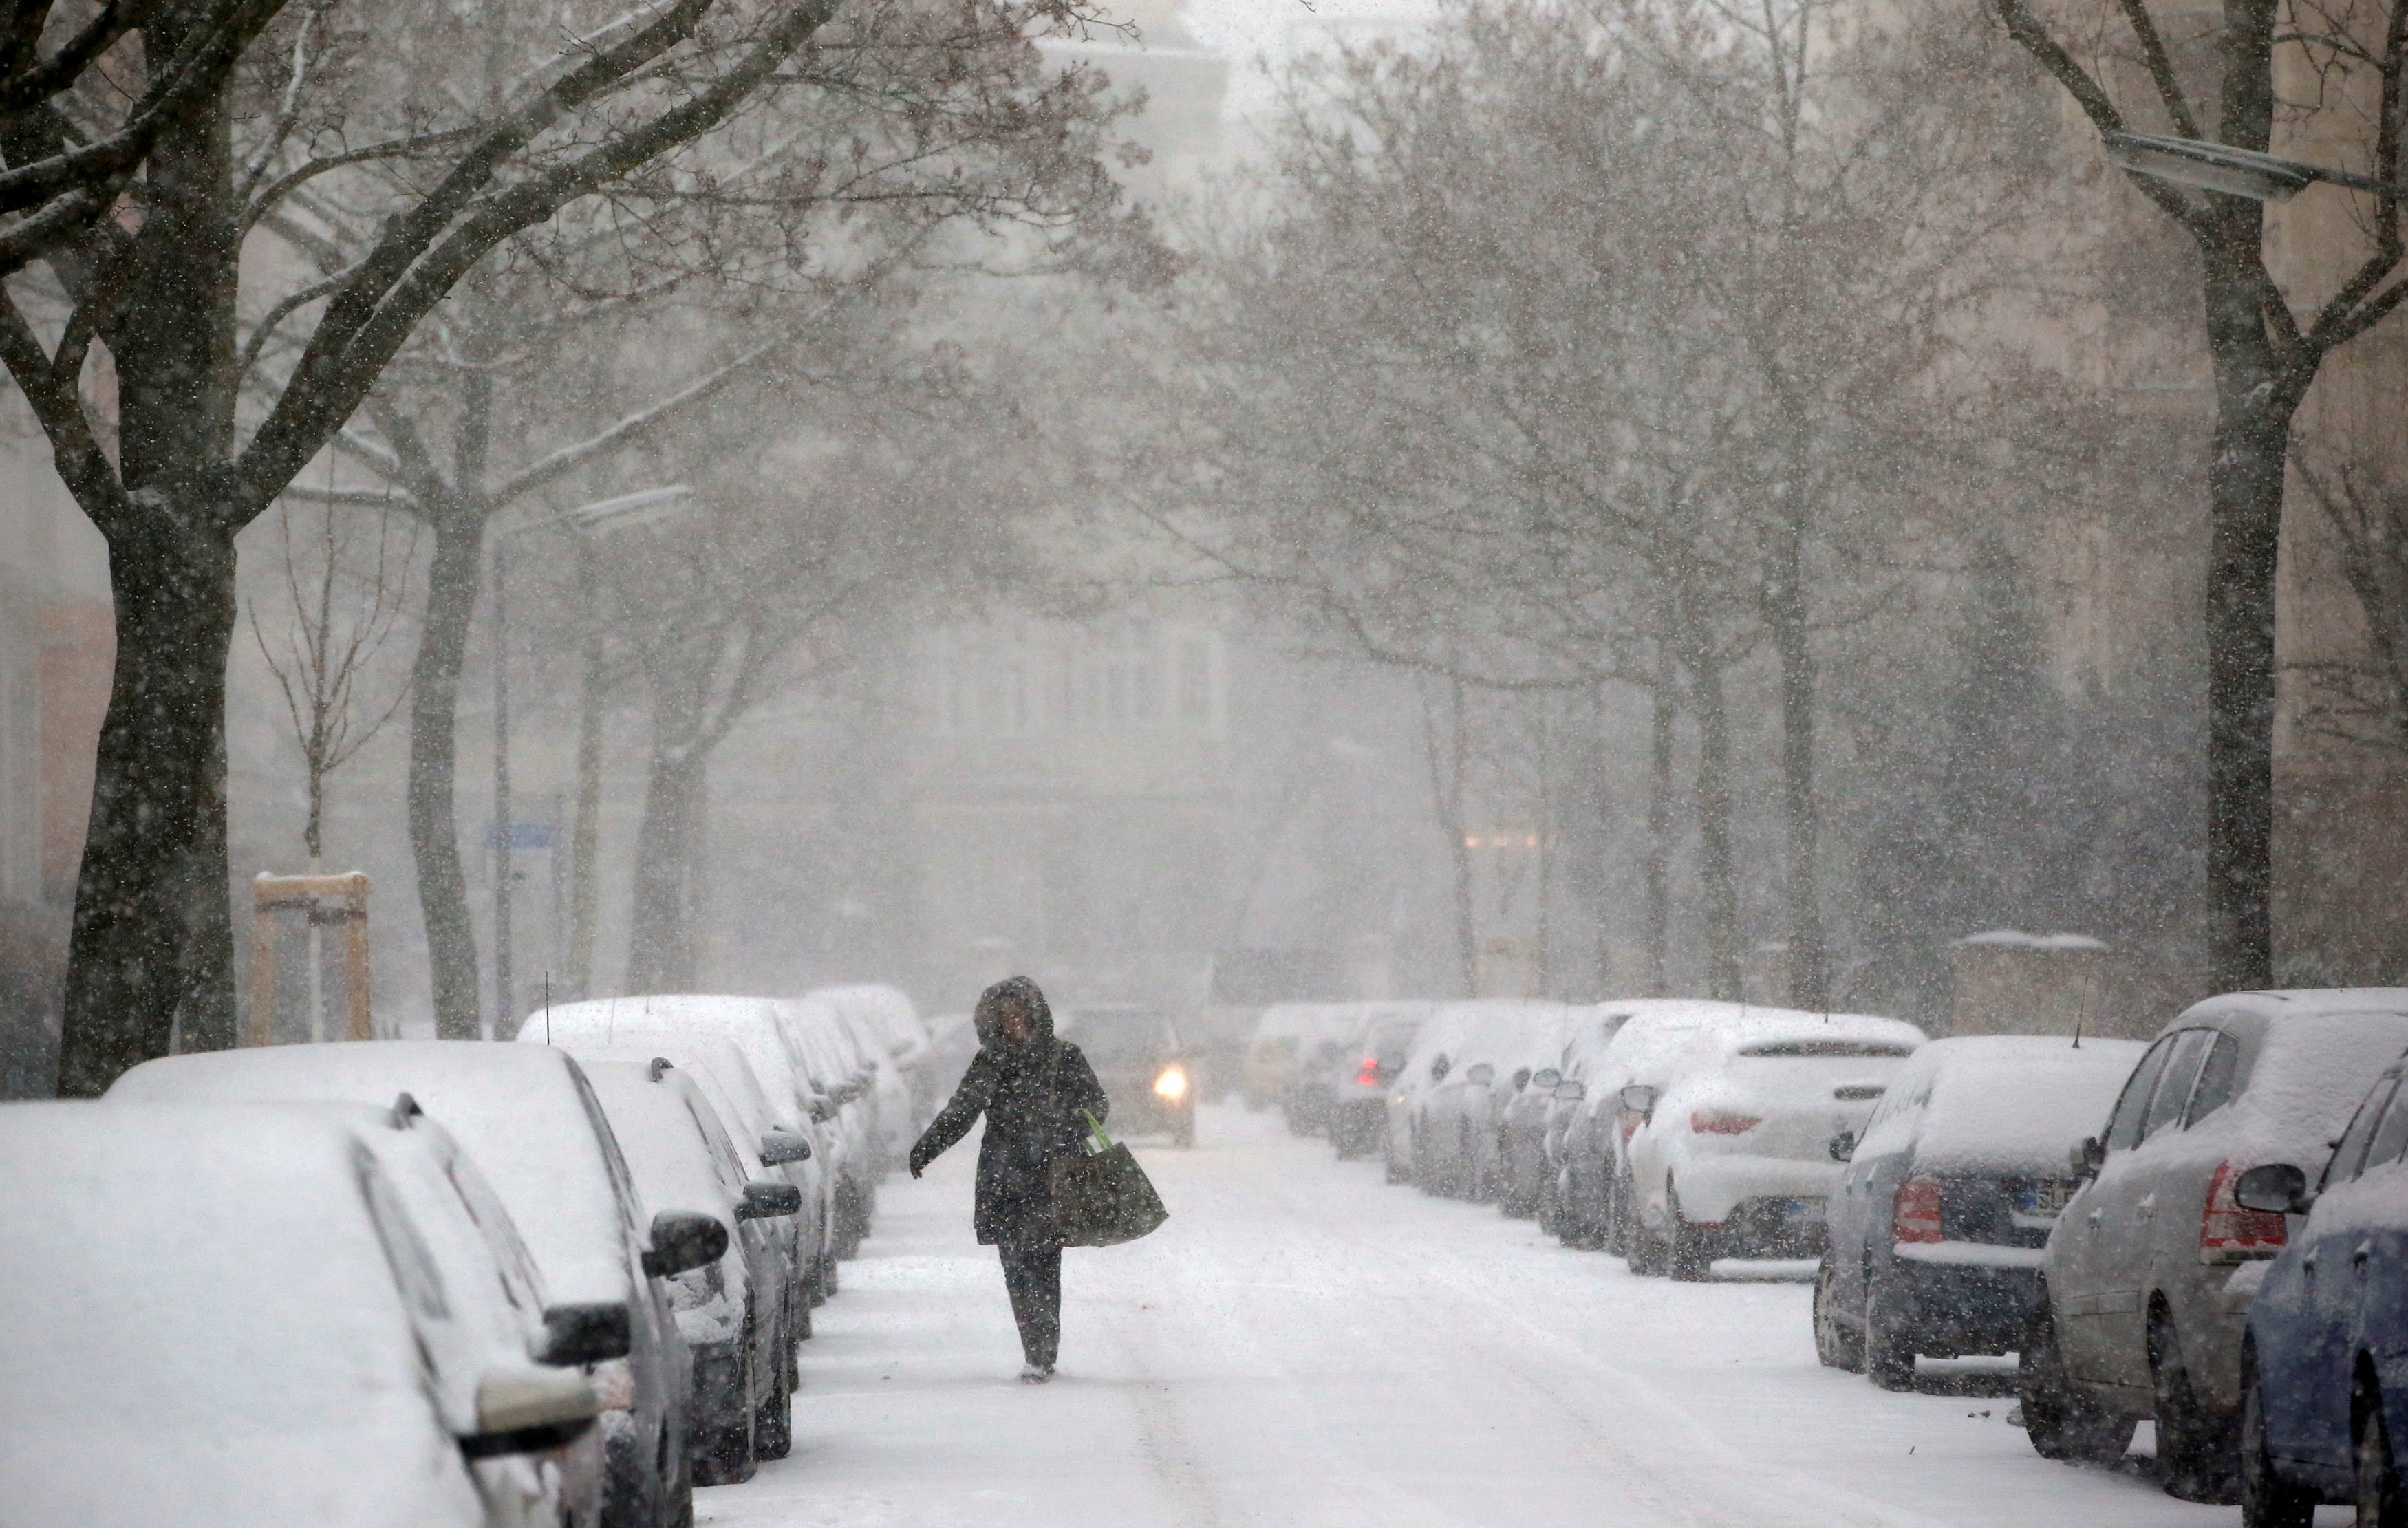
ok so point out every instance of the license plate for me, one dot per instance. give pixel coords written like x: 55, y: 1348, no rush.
x: 2043, y: 1198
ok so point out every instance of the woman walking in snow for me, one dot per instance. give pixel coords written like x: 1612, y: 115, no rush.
x: 1034, y: 1091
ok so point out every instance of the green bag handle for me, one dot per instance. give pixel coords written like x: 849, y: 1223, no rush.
x: 1100, y: 1142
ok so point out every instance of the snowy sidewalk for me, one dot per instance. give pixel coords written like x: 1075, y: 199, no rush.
x: 1306, y: 1347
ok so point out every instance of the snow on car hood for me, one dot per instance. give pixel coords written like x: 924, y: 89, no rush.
x: 395, y: 1470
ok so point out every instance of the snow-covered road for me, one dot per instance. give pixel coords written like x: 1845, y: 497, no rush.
x: 1304, y: 1347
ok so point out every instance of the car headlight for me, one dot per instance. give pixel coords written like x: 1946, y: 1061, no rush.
x: 1171, y: 1084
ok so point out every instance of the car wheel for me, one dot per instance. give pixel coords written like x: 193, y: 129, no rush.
x: 1888, y: 1344
x: 2199, y: 1450
x: 1692, y: 1259
x: 2379, y: 1503
x: 773, y: 1424
x: 1834, y: 1346
x: 2061, y: 1422
x: 2266, y: 1500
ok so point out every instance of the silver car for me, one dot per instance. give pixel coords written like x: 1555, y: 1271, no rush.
x: 2152, y: 1265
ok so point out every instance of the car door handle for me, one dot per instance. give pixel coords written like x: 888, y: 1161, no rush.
x: 2358, y: 1258
x: 2147, y: 1209
x: 2096, y: 1218
x: 2308, y: 1264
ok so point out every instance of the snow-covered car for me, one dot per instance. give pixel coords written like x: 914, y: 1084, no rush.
x: 1456, y: 1152
x: 768, y: 1145
x: 889, y: 1013
x: 760, y: 1031
x: 1530, y: 1125
x: 2149, y: 1271
x: 529, y: 1118
x: 1144, y: 1069
x: 952, y: 1041
x: 729, y: 1312
x: 1425, y: 1068
x: 1732, y: 1157
x: 1944, y: 1210
x: 864, y: 1031
x: 219, y: 1315
x: 1594, y: 1202
x: 840, y: 1066
x: 1355, y: 1085
x: 2324, y: 1405
x: 1274, y: 1051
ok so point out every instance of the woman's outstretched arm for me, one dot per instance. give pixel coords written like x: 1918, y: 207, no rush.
x: 953, y: 1121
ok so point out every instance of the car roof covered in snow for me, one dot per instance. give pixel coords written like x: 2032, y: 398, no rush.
x: 658, y: 1115
x: 830, y: 1046
x: 2000, y: 1101
x: 884, y: 1008
x: 522, y: 1112
x: 750, y: 1024
x: 205, y: 1319
x: 713, y: 1061
x: 1755, y: 1032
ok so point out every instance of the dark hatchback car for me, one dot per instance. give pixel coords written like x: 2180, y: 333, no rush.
x: 1145, y: 1070
x: 1942, y: 1221
x: 2324, y: 1367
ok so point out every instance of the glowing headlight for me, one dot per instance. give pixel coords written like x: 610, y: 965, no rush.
x: 1171, y: 1084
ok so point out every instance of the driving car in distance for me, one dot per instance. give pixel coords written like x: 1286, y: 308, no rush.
x: 1137, y: 1057
x: 1944, y: 1207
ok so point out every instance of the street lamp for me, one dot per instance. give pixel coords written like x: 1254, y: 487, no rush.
x: 2236, y: 172
x: 649, y: 507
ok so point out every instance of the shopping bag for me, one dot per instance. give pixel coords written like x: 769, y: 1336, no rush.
x: 1101, y: 1196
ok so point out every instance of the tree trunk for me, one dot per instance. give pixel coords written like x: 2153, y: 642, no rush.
x: 451, y: 584
x: 1784, y: 606
x: 1663, y: 715
x: 1718, y: 879
x: 2251, y: 444
x: 1467, y: 916
x: 152, y: 927
x: 661, y: 946
x: 586, y: 844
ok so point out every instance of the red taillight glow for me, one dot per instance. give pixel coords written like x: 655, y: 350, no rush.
x: 2224, y: 1226
x: 1369, y: 1076
x: 1717, y: 1123
x: 1914, y: 1213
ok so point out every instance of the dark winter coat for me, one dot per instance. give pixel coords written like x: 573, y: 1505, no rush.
x: 1032, y: 1094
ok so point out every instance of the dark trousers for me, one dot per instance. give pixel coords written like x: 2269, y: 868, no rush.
x: 1032, y: 1275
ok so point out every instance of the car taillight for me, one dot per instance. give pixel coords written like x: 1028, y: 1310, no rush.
x: 1717, y: 1123
x: 1370, y: 1074
x: 2225, y: 1230
x: 1914, y: 1213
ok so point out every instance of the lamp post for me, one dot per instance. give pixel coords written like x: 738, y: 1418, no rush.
x: 640, y: 509
x: 2236, y: 172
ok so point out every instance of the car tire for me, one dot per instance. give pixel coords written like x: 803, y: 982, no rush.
x: 2375, y: 1477
x: 1691, y: 1260
x: 773, y: 1424
x: 1888, y: 1342
x: 2199, y: 1450
x: 1834, y: 1346
x: 2266, y: 1500
x: 2061, y: 1422
x: 1621, y: 1225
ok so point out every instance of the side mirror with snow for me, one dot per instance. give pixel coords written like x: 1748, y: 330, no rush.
x: 1844, y: 1146
x: 585, y: 1333
x: 2087, y: 1158
x: 781, y: 1147
x: 1570, y: 1090
x: 1639, y: 1098
x: 524, y: 1411
x: 684, y: 1240
x: 766, y: 1201
x: 1439, y: 1066
x: 2275, y: 1187
x: 1481, y: 1074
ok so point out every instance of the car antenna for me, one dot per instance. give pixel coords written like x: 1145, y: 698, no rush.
x: 2081, y: 1009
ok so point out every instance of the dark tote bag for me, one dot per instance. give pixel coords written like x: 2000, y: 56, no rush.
x: 1101, y: 1196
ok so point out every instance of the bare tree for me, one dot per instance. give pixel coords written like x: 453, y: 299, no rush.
x: 336, y: 632
x: 2364, y: 700
x: 248, y: 115
x: 2126, y: 67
